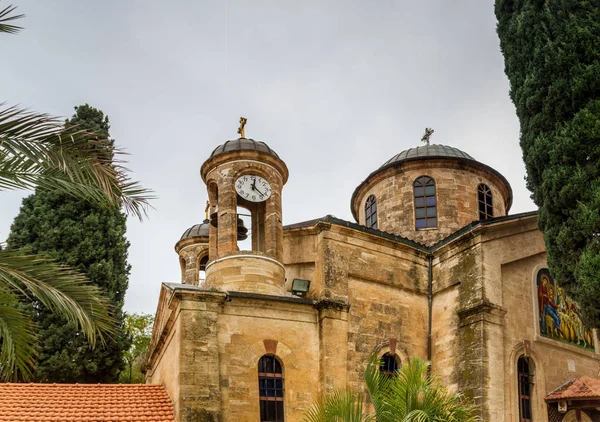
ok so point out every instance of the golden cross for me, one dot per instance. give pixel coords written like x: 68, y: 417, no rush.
x: 206, y: 209
x: 428, y: 133
x: 241, y: 130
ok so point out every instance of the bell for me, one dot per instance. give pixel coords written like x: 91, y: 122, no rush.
x: 214, y: 219
x: 242, y: 231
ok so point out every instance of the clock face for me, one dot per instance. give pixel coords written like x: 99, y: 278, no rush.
x: 253, y: 188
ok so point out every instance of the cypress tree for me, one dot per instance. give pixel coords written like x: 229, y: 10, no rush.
x: 552, y: 59
x: 92, y: 239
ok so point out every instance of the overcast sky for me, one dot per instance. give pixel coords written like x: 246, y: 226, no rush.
x: 336, y: 88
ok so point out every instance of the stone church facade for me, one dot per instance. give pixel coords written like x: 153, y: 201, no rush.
x: 432, y: 267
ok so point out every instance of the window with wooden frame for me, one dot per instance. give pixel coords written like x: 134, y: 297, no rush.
x: 389, y: 364
x: 525, y: 383
x: 270, y: 386
x: 484, y: 198
x: 371, y: 212
x: 425, y: 203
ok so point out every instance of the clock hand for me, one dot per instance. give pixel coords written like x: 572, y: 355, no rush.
x: 253, y: 186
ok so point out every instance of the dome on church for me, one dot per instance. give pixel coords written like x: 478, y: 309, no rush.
x: 428, y: 192
x: 243, y: 144
x: 427, y: 152
x: 197, y: 230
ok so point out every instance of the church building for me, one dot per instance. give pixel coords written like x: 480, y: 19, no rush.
x: 433, y: 266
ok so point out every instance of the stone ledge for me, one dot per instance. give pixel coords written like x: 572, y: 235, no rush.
x: 337, y: 305
x: 482, y: 310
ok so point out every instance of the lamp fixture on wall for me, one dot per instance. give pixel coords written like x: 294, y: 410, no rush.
x: 300, y: 287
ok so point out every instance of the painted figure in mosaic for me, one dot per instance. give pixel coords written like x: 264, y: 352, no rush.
x: 559, y: 315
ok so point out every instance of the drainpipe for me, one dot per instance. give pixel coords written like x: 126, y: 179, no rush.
x: 430, y: 310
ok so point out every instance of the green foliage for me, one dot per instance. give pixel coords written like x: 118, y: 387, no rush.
x: 139, y: 329
x: 90, y: 238
x: 37, y: 151
x: 552, y: 58
x: 409, y: 396
x: 63, y: 291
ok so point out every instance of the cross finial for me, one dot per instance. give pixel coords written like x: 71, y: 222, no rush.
x: 428, y: 132
x: 241, y: 130
x: 207, y: 207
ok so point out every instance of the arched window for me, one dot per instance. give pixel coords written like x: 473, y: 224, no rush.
x: 270, y: 386
x: 202, y: 269
x: 425, y: 203
x: 524, y: 374
x: 389, y: 364
x: 182, y: 266
x: 484, y: 198
x: 371, y: 212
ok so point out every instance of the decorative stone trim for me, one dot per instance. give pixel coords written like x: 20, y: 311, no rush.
x: 270, y: 346
x: 482, y: 310
x: 336, y: 305
x: 246, y: 254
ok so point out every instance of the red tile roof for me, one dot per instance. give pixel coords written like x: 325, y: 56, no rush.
x: 578, y: 388
x: 84, y: 402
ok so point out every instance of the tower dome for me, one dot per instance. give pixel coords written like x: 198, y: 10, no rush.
x: 197, y: 230
x: 425, y: 152
x: 428, y: 192
x: 192, y: 249
x: 243, y: 144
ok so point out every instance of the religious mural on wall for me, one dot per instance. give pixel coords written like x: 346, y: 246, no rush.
x: 559, y: 315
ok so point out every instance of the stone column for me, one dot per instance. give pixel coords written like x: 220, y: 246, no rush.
x: 200, y: 396
x: 480, y: 341
x: 227, y: 231
x: 333, y: 341
x: 273, y: 222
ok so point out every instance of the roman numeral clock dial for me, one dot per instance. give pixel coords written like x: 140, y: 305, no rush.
x: 253, y: 188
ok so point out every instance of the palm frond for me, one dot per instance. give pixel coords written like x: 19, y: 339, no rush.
x: 60, y: 289
x: 5, y: 17
x: 16, y: 338
x: 338, y: 406
x: 36, y: 150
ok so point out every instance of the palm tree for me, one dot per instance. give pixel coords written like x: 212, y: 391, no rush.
x: 37, y: 151
x: 411, y: 395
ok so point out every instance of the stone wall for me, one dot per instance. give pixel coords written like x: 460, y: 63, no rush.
x: 250, y: 328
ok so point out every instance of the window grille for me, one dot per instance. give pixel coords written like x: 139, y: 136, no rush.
x: 371, y: 212
x: 425, y: 203
x: 523, y: 370
x: 389, y: 364
x: 270, y: 386
x: 484, y: 198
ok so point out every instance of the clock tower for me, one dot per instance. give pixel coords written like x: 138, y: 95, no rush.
x: 247, y: 174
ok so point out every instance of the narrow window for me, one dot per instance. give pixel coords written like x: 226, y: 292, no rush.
x: 523, y: 370
x: 270, y: 386
x: 371, y: 212
x: 389, y: 364
x: 425, y: 203
x: 202, y: 266
x: 484, y: 197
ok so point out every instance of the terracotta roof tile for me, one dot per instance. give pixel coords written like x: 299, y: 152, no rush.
x: 579, y: 388
x: 84, y: 403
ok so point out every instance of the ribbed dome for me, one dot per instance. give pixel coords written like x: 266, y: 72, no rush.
x: 243, y: 144
x: 197, y: 230
x: 427, y: 151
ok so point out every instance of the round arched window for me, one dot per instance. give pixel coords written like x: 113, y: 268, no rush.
x: 371, y: 212
x: 270, y: 386
x: 484, y: 198
x: 389, y: 364
x: 425, y: 203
